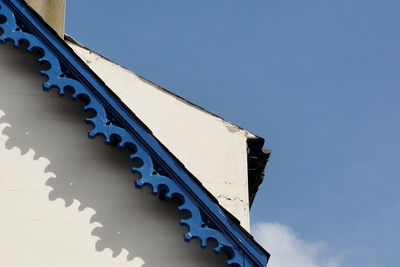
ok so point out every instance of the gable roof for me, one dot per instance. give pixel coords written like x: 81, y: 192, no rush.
x: 234, y: 169
x: 153, y: 163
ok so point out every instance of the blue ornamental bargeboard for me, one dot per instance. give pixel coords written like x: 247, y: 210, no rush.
x: 153, y: 165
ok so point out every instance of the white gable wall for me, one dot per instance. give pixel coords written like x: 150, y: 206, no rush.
x: 66, y: 200
x: 214, y: 150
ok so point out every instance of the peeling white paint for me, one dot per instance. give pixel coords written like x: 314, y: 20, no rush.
x: 214, y: 150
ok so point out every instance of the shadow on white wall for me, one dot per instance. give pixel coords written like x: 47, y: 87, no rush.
x: 67, y: 200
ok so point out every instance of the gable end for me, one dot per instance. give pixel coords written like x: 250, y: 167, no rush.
x: 155, y: 166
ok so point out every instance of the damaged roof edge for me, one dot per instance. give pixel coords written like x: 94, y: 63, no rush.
x: 257, y: 158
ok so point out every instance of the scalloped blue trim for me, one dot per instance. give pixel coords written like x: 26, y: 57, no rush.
x: 153, y: 164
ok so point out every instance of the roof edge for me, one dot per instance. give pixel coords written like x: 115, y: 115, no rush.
x: 160, y: 169
x: 257, y: 159
x: 159, y: 87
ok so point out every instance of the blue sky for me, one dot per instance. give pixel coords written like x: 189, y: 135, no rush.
x: 318, y: 79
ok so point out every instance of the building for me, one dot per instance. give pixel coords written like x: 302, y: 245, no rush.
x: 68, y: 201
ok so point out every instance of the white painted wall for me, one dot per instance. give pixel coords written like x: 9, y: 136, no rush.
x: 69, y: 201
x: 214, y: 150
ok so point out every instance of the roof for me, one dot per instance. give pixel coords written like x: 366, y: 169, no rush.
x: 114, y: 75
x: 154, y: 164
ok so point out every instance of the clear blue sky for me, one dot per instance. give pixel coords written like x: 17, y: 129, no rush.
x: 318, y: 79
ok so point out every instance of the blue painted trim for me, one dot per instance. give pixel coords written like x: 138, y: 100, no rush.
x: 155, y: 166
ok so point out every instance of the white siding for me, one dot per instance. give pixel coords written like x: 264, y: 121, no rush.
x: 214, y: 150
x: 66, y: 200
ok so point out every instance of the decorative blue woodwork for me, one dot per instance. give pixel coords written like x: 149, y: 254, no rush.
x: 153, y: 164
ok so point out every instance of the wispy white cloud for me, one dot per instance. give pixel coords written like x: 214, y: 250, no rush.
x: 287, y: 250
